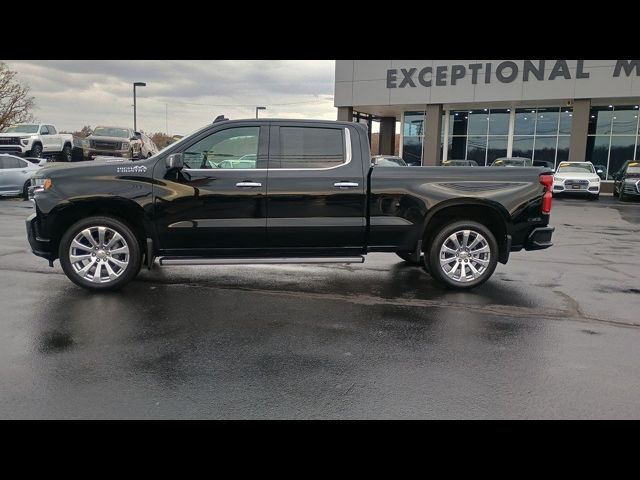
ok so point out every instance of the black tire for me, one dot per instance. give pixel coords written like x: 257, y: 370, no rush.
x: 621, y: 196
x: 36, y: 151
x: 66, y: 154
x: 408, y: 257
x: 135, y: 255
x: 436, y: 270
x: 25, y: 190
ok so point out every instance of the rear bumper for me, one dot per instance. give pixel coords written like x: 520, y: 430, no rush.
x: 39, y: 246
x: 539, y: 238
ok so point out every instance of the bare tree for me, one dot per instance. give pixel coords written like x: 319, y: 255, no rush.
x: 15, y: 102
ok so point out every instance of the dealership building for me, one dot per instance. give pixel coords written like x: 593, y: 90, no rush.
x: 551, y: 110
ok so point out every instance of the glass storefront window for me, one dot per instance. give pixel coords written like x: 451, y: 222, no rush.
x: 412, y: 137
x: 625, y: 121
x: 600, y: 120
x: 477, y: 149
x: 545, y: 149
x: 547, y: 121
x: 412, y: 150
x: 622, y: 149
x: 525, y: 123
x: 563, y: 149
x: 566, y: 117
x: 598, y: 149
x: 458, y: 148
x: 497, y: 148
x: 499, y: 122
x: 522, y: 147
x: 612, y: 136
x: 458, y: 120
x: 478, y: 122
x: 413, y: 124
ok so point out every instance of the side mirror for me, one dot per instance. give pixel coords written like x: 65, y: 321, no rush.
x: 175, y: 161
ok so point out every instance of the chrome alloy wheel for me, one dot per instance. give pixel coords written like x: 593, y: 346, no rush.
x: 464, y: 256
x: 99, y: 254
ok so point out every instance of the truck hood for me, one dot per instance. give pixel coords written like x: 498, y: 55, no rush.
x: 51, y: 168
x: 19, y: 135
x: 576, y: 176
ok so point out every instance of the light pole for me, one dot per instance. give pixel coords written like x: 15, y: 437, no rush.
x: 259, y: 108
x: 136, y: 84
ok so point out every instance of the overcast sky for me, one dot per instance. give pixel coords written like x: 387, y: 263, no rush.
x: 74, y: 93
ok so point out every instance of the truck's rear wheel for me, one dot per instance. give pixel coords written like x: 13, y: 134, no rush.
x: 100, y: 253
x: 463, y: 255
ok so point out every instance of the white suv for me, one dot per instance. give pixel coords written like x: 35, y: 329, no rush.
x: 577, y: 177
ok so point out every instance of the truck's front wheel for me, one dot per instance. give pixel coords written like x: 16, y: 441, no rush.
x: 100, y: 253
x: 36, y: 151
x: 463, y: 255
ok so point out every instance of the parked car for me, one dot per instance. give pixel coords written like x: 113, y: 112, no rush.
x: 147, y: 147
x: 627, y: 181
x: 545, y: 164
x: 512, y: 162
x: 112, y: 141
x: 459, y: 163
x: 388, y: 161
x: 15, y: 175
x: 36, y: 160
x: 577, y: 177
x: 36, y: 140
x: 313, y: 197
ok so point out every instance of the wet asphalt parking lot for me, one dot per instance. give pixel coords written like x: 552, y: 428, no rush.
x: 554, y: 334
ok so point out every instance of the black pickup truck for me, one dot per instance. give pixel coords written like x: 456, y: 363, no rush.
x: 282, y: 191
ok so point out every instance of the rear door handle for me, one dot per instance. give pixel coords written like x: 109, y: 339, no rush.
x: 345, y: 184
x: 248, y: 184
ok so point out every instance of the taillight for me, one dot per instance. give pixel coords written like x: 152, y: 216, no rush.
x: 547, y: 181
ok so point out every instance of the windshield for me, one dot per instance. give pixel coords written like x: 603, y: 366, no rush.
x: 111, y: 132
x: 633, y: 170
x: 22, y: 129
x: 576, y: 167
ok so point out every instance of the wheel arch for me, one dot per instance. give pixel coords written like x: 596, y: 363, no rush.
x: 125, y: 210
x: 490, y: 214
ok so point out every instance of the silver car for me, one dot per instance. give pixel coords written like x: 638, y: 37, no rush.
x: 15, y: 175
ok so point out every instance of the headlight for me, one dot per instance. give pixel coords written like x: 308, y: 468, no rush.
x: 25, y: 141
x: 42, y: 183
x: 125, y: 145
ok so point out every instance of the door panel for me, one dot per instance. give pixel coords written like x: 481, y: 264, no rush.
x: 218, y: 201
x: 319, y: 207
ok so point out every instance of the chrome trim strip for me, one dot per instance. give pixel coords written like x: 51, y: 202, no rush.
x: 311, y: 222
x: 388, y: 221
x: 258, y: 261
x: 221, y: 223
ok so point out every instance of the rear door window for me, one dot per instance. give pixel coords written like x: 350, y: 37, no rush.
x: 310, y: 147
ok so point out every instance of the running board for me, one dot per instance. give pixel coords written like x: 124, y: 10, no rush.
x: 256, y: 261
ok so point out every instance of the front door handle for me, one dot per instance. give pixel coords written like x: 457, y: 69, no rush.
x: 248, y: 184
x: 345, y: 184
